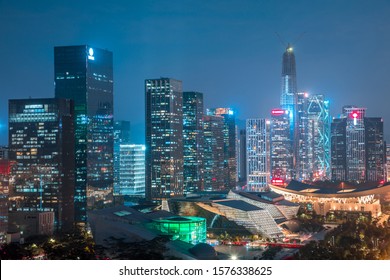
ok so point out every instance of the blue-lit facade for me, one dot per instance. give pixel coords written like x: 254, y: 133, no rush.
x: 258, y: 151
x: 289, y: 86
x: 41, y: 143
x: 193, y: 141
x: 121, y: 136
x: 164, y: 138
x: 318, y: 136
x: 85, y: 75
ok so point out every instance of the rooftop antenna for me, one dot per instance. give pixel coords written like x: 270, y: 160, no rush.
x: 299, y: 37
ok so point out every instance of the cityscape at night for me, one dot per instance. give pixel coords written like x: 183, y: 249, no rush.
x: 218, y: 130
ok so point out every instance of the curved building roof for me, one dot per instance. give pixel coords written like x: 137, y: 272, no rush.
x: 300, y: 188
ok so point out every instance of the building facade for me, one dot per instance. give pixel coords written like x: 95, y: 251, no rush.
x: 213, y: 154
x: 229, y: 148
x: 41, y: 144
x: 358, y: 149
x: 164, y: 138
x: 193, y: 141
x: 281, y: 147
x: 130, y: 170
x: 258, y: 151
x: 85, y: 75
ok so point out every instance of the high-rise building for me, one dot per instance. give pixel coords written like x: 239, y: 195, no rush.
x: 85, y: 75
x: 131, y: 170
x: 164, y: 138
x: 375, y: 150
x: 213, y: 153
x: 356, y: 143
x: 229, y: 132
x: 121, y: 136
x: 338, y: 137
x: 241, y: 156
x: 318, y: 137
x: 258, y: 159
x: 289, y: 86
x: 281, y: 147
x: 5, y: 170
x: 302, y: 152
x: 358, y: 147
x: 41, y: 143
x: 193, y: 141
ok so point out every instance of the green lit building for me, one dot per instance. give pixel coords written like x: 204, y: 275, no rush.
x: 187, y: 229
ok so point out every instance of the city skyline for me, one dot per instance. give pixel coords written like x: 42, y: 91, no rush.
x: 229, y: 52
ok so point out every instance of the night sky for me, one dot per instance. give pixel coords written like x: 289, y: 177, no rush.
x: 226, y: 49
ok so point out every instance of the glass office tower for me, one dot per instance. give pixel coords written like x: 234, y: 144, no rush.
x: 164, y: 138
x: 193, y: 140
x: 85, y: 75
x: 41, y: 143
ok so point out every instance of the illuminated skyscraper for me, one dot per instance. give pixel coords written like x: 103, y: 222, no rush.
x: 85, y: 75
x: 131, y: 170
x: 338, y: 142
x: 318, y: 137
x: 289, y: 86
x: 193, y: 140
x: 241, y: 156
x: 164, y: 138
x: 121, y: 136
x: 41, y: 143
x: 356, y: 143
x: 375, y: 150
x: 281, y: 147
x: 213, y: 153
x: 258, y: 159
x: 229, y: 131
x: 358, y: 148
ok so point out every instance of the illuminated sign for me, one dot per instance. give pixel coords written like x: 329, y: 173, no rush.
x: 277, y: 181
x: 354, y: 115
x: 90, y: 54
x: 278, y: 112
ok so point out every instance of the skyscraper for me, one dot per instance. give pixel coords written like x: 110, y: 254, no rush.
x: 358, y: 148
x: 289, y: 86
x: 41, y: 143
x: 281, y: 147
x: 258, y: 159
x: 121, y: 136
x: 241, y: 156
x: 355, y: 139
x: 229, y: 131
x: 338, y: 142
x: 213, y: 153
x: 131, y: 170
x: 85, y: 75
x: 164, y: 138
x: 318, y: 137
x: 375, y: 150
x: 193, y: 141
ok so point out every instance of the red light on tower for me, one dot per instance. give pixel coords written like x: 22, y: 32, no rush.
x: 354, y: 115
